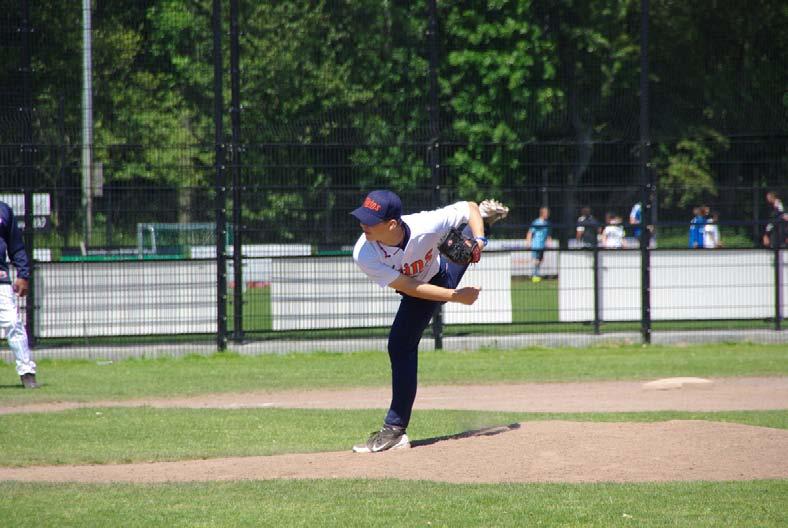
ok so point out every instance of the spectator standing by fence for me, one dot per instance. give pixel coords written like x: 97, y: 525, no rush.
x: 635, y: 218
x: 537, y: 238
x: 11, y: 244
x: 696, y: 228
x: 613, y: 234
x: 711, y: 232
x: 778, y: 220
x: 588, y: 229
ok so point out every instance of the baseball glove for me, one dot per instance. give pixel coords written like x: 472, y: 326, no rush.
x: 459, y: 248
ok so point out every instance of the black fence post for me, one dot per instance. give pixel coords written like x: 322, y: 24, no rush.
x: 27, y: 166
x: 778, y: 278
x: 597, y: 304
x: 221, y: 212
x: 29, y: 238
x: 645, y: 170
x: 432, y: 149
x: 235, y: 112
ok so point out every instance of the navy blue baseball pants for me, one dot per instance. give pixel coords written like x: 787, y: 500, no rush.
x: 410, y: 322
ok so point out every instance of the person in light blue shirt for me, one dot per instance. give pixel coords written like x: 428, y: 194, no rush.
x: 537, y: 239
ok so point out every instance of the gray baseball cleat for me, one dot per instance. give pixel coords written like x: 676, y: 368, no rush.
x: 29, y: 380
x: 492, y: 211
x: 387, y: 438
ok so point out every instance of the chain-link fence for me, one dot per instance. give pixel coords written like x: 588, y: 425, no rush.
x: 188, y: 166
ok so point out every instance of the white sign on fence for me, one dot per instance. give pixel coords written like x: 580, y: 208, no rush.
x: 83, y: 299
x: 685, y: 285
x: 312, y: 293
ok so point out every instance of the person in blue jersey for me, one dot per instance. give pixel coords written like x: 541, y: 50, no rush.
x: 537, y: 238
x: 12, y: 248
x: 635, y: 219
x: 697, y: 226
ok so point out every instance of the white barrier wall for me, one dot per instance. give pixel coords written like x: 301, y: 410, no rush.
x: 685, y: 285
x: 257, y: 268
x: 726, y: 285
x: 172, y: 297
x: 312, y: 293
x: 620, y: 285
x: 125, y: 298
x: 576, y: 286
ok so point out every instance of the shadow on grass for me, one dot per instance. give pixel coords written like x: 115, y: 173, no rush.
x: 17, y: 386
x: 486, y: 431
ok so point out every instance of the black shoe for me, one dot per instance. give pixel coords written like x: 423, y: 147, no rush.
x: 29, y: 380
x: 388, y: 437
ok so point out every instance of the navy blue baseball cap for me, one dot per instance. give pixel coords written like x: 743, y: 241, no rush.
x: 378, y: 207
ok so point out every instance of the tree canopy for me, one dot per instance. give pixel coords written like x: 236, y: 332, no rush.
x: 353, y: 79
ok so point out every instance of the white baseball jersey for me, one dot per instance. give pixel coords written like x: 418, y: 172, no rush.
x: 614, y: 236
x: 711, y: 236
x: 420, y: 258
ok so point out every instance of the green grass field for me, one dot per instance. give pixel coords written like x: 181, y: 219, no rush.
x: 113, y: 435
x: 84, y: 380
x: 363, y: 503
x: 731, y: 237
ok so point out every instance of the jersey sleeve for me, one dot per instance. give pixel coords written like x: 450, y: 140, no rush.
x: 443, y: 219
x: 366, y: 258
x: 16, y: 247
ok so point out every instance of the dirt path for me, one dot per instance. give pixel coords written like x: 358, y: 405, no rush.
x: 540, y: 451
x: 723, y: 394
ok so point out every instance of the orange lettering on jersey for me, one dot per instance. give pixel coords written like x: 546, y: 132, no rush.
x: 416, y: 267
x: 369, y: 203
x: 413, y: 268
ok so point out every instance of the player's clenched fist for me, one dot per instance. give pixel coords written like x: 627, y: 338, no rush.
x: 467, y: 295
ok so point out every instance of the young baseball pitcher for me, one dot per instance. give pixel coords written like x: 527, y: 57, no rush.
x: 402, y: 253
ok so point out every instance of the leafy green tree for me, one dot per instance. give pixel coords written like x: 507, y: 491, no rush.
x: 338, y: 85
x: 497, y: 79
x: 712, y: 78
x: 685, y: 174
x: 335, y: 100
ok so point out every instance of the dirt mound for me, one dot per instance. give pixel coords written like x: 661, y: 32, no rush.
x: 548, y: 451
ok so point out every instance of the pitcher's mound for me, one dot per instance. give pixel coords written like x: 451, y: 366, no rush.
x: 548, y: 451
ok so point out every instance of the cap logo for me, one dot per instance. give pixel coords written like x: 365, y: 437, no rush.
x: 369, y: 203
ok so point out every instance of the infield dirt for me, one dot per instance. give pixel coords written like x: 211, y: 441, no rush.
x: 534, y: 451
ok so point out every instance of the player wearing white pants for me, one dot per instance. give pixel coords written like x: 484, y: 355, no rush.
x: 14, y: 329
x: 11, y: 244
